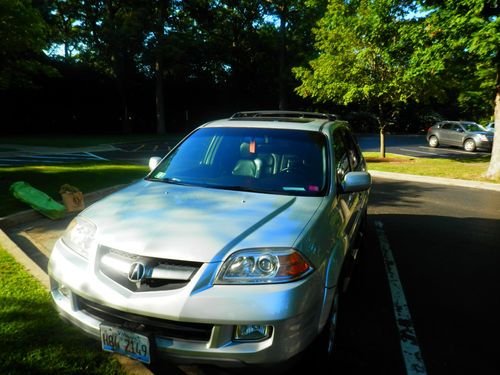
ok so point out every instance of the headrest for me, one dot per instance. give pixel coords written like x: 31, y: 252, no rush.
x: 245, y: 150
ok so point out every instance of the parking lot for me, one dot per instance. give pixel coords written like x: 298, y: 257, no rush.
x: 424, y: 296
x: 140, y: 152
x: 444, y: 243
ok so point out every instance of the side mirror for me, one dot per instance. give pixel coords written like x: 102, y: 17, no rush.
x: 459, y: 130
x: 153, y: 162
x: 356, y: 181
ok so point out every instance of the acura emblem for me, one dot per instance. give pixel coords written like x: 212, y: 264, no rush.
x: 137, y: 272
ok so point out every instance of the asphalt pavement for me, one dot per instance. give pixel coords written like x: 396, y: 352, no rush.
x: 445, y: 243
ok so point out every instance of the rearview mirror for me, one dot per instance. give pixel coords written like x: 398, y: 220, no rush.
x: 153, y: 162
x: 356, y: 181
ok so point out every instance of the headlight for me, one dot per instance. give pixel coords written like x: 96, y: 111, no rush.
x: 263, y: 266
x: 483, y: 138
x: 79, y: 236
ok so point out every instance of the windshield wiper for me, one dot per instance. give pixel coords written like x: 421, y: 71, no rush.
x: 234, y: 187
x: 168, y: 180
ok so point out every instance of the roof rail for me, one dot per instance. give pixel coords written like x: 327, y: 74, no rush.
x: 283, y: 114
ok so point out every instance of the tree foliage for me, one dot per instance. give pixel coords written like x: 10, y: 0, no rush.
x: 365, y: 55
x: 24, y: 35
x: 197, y: 59
x: 463, y: 39
x: 385, y: 54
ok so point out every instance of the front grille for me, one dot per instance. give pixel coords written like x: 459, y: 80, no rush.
x: 141, y: 323
x: 160, y: 274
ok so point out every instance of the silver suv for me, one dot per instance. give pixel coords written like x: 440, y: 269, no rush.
x: 469, y: 135
x: 232, y: 251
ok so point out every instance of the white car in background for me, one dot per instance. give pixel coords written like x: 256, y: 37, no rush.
x: 490, y: 127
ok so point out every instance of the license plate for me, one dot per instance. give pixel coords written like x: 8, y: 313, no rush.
x: 119, y: 340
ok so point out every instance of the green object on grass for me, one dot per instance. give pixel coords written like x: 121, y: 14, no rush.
x: 38, y: 200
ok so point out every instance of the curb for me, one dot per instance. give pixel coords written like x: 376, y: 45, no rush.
x: 25, y: 260
x: 436, y: 180
x: 32, y: 215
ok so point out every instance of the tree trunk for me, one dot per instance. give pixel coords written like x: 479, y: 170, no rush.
x: 126, y: 126
x: 282, y: 59
x: 493, y: 171
x: 160, y: 99
x: 382, y: 142
x: 160, y: 103
x: 122, y: 90
x: 381, y: 119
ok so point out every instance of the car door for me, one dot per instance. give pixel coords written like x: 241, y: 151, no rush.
x: 347, y: 202
x: 358, y: 199
x: 445, y: 133
x: 456, y: 135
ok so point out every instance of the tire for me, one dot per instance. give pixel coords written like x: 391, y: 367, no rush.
x: 352, y: 258
x: 433, y: 141
x: 331, y: 326
x: 469, y: 145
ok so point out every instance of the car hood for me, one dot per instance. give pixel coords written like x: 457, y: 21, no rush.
x: 197, y: 224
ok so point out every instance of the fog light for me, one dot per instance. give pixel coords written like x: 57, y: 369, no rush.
x: 64, y: 290
x: 252, y: 332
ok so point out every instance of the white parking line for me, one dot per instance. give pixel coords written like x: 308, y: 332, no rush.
x: 51, y: 158
x: 448, y: 150
x: 57, y: 157
x: 96, y: 157
x: 408, y: 339
x: 418, y: 152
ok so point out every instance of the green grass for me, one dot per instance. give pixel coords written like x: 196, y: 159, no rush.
x: 87, y: 177
x: 465, y: 169
x: 34, y: 340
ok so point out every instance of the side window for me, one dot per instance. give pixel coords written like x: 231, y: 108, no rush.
x: 446, y: 126
x: 352, y: 150
x: 342, y: 166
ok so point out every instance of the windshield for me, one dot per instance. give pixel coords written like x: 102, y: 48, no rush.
x: 473, y: 127
x: 277, y: 161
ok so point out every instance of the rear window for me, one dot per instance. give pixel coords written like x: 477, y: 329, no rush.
x: 472, y: 127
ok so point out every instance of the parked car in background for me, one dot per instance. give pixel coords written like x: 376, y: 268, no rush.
x: 469, y: 135
x: 233, y: 250
x: 490, y: 127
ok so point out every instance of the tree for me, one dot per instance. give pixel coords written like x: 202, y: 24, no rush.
x: 365, y: 56
x: 63, y: 17
x: 463, y: 39
x: 112, y: 34
x: 160, y: 40
x: 24, y: 36
x: 296, y: 20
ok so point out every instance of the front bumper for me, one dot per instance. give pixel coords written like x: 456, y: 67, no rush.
x: 291, y: 309
x: 484, y: 145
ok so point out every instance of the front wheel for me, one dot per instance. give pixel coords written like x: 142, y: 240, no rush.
x: 433, y: 141
x: 470, y: 145
x: 332, y: 324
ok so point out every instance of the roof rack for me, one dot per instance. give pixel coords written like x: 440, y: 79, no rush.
x: 283, y: 114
